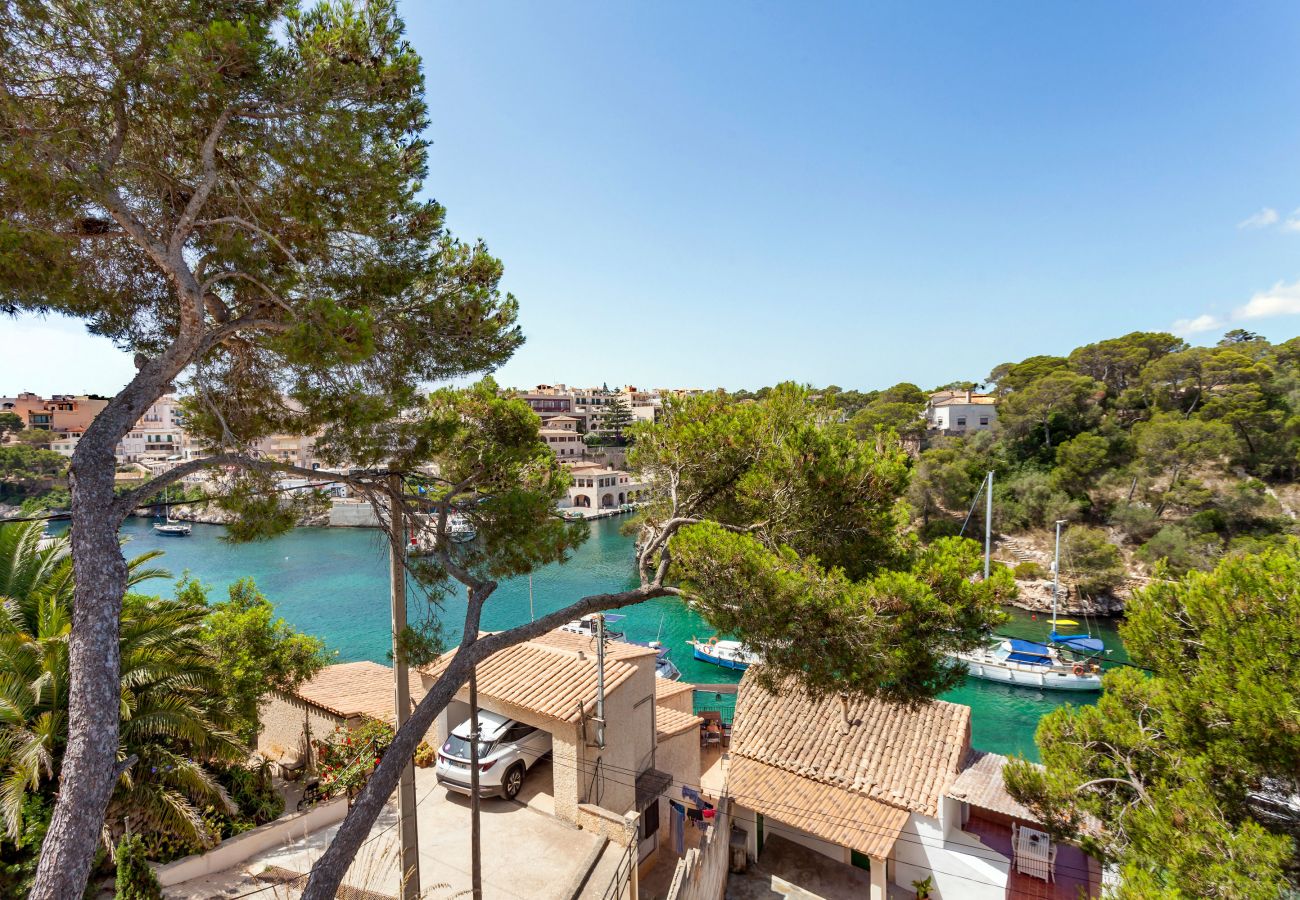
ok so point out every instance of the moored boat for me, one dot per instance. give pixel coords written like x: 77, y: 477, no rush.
x: 727, y: 654
x: 173, y: 528
x: 1031, y: 664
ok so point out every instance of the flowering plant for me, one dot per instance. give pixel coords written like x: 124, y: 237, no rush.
x: 347, y: 757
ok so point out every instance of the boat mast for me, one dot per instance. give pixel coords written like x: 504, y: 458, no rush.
x: 988, y: 526
x: 1056, y: 572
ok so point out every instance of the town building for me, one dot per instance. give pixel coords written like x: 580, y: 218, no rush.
x: 597, y: 486
x: 961, y: 412
x: 561, y: 434
x: 62, y: 414
x: 341, y: 696
x: 158, y: 435
x: 870, y: 794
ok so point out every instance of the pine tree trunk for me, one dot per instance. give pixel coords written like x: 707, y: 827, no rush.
x: 89, y: 769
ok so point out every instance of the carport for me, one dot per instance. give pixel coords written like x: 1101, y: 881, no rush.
x: 550, y: 683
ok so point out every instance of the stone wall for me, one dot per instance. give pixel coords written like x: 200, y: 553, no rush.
x: 286, y: 724
x: 702, y: 873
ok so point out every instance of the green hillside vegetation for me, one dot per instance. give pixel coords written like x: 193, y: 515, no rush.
x: 1153, y: 450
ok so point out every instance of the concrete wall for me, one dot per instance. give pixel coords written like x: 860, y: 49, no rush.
x: 286, y: 722
x: 233, y: 851
x: 353, y: 514
x: 961, y: 866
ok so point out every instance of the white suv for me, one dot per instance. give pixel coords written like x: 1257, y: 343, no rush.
x: 507, y: 750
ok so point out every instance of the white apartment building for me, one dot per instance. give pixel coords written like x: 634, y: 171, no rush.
x: 158, y: 435
x: 961, y: 412
x: 596, y: 486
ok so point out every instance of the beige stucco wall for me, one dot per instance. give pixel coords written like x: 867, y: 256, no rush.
x: 679, y: 756
x: 629, y: 740
x: 683, y: 702
x: 286, y: 722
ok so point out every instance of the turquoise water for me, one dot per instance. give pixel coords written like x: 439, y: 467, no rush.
x: 333, y: 582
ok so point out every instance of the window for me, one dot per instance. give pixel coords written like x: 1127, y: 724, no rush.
x: 984, y: 420
x: 517, y: 732
x: 961, y: 421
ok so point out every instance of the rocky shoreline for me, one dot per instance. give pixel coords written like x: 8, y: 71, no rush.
x: 1036, y: 596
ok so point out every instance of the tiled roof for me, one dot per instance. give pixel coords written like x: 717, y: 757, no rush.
x: 833, y: 814
x: 544, y: 677
x: 665, y: 688
x: 903, y: 756
x: 356, y: 689
x: 669, y: 722
x: 980, y: 784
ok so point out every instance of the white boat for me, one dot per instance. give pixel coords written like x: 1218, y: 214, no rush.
x: 460, y: 530
x: 170, y: 527
x: 1070, y: 662
x: 1030, y: 664
x: 727, y: 654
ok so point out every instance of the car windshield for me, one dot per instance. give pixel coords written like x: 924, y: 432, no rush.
x: 459, y: 747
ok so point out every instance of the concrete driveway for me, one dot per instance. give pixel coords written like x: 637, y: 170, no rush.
x: 527, y: 853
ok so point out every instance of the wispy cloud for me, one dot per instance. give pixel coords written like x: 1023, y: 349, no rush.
x: 1262, y: 219
x: 1205, y: 322
x: 1281, y: 299
x: 1292, y: 222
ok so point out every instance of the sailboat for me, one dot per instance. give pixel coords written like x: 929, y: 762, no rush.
x: 1064, y: 663
x: 170, y: 527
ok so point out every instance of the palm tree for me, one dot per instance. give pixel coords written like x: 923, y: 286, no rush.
x: 173, y: 717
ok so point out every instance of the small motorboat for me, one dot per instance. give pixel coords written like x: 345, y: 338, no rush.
x: 1031, y: 664
x: 173, y: 528
x: 727, y: 654
x: 460, y: 530
x: 665, y: 668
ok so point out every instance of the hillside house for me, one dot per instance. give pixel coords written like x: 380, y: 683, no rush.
x: 961, y: 412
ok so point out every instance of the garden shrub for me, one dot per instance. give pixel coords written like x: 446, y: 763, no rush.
x: 135, y: 879
x: 1029, y: 571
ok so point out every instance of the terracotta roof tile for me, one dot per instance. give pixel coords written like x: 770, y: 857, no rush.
x: 669, y: 722
x: 544, y: 676
x: 842, y: 817
x: 980, y: 784
x: 356, y: 689
x: 903, y: 756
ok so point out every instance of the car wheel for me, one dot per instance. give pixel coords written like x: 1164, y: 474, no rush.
x: 514, y: 781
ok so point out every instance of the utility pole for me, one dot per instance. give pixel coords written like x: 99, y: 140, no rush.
x: 410, y: 874
x: 475, y: 855
x: 600, y: 680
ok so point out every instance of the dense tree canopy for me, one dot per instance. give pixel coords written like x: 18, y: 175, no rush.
x: 1191, y: 768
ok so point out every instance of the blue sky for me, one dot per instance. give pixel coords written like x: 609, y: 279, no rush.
x: 739, y: 193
